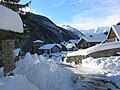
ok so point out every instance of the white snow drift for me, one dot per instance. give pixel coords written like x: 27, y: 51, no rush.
x: 110, y: 64
x: 44, y: 74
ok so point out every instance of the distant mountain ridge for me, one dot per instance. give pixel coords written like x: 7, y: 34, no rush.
x: 89, y: 31
x: 101, y: 29
x: 72, y: 29
x: 40, y: 27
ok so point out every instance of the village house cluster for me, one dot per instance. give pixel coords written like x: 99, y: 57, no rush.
x: 86, y: 41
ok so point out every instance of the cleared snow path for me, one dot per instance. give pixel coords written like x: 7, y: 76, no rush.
x: 88, y: 79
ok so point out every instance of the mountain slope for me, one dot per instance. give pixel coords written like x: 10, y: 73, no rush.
x: 42, y: 28
x: 72, y: 29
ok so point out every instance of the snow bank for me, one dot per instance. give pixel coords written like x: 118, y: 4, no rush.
x: 96, y: 48
x: 10, y: 20
x: 43, y: 74
x: 115, y: 79
x: 38, y: 73
x: 110, y: 64
x: 16, y: 83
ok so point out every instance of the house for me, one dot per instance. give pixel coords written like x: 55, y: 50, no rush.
x: 113, y: 34
x: 36, y: 45
x: 73, y: 41
x: 49, y: 48
x: 71, y: 47
x: 10, y: 27
x: 63, y: 44
x: 90, y: 40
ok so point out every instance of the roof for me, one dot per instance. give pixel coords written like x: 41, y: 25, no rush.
x: 116, y: 29
x: 73, y: 41
x: 37, y: 41
x: 49, y: 46
x: 70, y: 45
x: 94, y: 37
x: 10, y: 20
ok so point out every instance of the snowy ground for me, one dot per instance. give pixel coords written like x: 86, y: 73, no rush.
x: 43, y: 73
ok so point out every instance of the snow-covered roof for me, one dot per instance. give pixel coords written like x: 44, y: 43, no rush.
x: 73, y: 41
x: 37, y: 41
x: 70, y: 45
x: 116, y: 29
x: 94, y: 37
x: 10, y: 20
x: 48, y: 46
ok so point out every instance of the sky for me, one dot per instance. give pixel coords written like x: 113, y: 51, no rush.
x: 82, y: 14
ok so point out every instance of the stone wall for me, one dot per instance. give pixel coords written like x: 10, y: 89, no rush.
x: 76, y: 59
x: 8, y: 59
x: 98, y: 54
x: 104, y: 53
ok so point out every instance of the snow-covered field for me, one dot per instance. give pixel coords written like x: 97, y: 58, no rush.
x: 35, y: 72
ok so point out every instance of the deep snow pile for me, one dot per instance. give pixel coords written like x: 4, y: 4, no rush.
x: 39, y: 73
x: 10, y: 20
x: 16, y: 83
x: 44, y: 74
x: 110, y: 64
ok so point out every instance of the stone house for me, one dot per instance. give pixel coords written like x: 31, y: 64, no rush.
x: 50, y: 48
x: 7, y: 59
x: 90, y: 40
x: 113, y: 34
x: 36, y: 45
x: 69, y: 46
x: 10, y: 27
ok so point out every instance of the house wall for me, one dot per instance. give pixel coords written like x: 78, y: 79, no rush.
x: 8, y: 59
x: 84, y: 44
x: 112, y: 36
x: 36, y: 46
x: 104, y: 53
x: 42, y: 51
x: 1, y: 58
x: 76, y: 59
x: 55, y: 49
x: 7, y: 34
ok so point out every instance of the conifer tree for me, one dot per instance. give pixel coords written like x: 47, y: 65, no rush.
x: 14, y: 4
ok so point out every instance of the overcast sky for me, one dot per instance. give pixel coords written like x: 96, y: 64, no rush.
x: 82, y: 14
